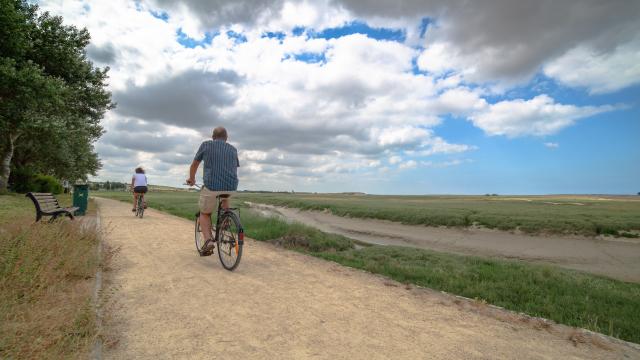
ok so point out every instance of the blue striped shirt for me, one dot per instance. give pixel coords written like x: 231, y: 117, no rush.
x: 220, y: 165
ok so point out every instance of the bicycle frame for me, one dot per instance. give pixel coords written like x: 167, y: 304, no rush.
x: 220, y: 211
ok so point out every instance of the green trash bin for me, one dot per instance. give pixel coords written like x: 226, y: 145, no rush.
x: 81, y: 198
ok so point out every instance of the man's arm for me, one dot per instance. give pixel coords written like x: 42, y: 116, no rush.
x: 192, y: 172
x: 133, y: 179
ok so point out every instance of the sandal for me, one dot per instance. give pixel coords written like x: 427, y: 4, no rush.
x: 209, y: 245
x: 207, y: 249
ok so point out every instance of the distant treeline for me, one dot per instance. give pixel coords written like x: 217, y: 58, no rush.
x: 108, y: 185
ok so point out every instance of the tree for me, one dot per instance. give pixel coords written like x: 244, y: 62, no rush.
x: 52, y: 98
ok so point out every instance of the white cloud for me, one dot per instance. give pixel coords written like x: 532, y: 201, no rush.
x: 395, y: 159
x: 408, y: 164
x: 437, y: 145
x: 400, y: 136
x: 552, y: 145
x: 599, y: 72
x: 461, y: 101
x: 538, y: 116
x: 437, y: 58
x: 507, y: 42
x: 358, y: 108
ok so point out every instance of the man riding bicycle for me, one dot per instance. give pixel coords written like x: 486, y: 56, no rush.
x: 220, y: 176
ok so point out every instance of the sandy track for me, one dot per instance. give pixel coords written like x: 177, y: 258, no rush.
x: 170, y: 303
x: 616, y: 258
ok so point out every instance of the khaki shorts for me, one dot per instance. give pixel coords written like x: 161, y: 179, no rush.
x: 207, y: 201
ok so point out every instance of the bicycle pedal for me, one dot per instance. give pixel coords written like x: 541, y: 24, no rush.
x: 206, y: 253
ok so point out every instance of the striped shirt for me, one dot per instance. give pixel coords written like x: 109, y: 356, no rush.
x: 220, y: 165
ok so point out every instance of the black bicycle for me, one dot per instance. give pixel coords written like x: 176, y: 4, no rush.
x: 227, y: 235
x: 140, y: 205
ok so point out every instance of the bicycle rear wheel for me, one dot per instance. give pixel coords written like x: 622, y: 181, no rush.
x: 230, y: 241
x: 140, y: 206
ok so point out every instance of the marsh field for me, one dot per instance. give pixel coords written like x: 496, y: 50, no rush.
x: 561, y: 214
x: 584, y: 215
x: 575, y: 298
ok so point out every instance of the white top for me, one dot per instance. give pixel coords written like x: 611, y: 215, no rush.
x: 139, y: 180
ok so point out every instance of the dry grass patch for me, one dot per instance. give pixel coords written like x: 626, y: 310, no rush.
x: 46, y: 279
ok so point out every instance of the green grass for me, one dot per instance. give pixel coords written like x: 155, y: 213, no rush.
x: 18, y: 207
x: 570, y: 297
x: 46, y: 279
x: 15, y: 206
x: 586, y: 215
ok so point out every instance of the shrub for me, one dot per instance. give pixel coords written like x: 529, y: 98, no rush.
x: 22, y: 179
x: 47, y: 184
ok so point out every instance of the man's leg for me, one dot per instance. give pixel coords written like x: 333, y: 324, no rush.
x: 135, y: 200
x: 205, y: 225
x: 206, y: 203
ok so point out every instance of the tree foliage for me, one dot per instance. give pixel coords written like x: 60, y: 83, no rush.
x: 52, y: 97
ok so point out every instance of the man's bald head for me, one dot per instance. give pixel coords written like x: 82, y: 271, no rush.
x: 220, y: 133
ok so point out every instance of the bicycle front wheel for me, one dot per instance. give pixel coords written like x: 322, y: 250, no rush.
x: 230, y: 241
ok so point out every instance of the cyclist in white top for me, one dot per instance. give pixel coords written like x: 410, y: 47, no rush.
x: 139, y: 185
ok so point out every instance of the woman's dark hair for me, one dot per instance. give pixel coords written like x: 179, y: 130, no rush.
x: 139, y: 170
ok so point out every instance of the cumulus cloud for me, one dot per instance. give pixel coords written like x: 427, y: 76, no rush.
x: 190, y: 99
x: 539, y: 116
x: 410, y: 164
x: 223, y: 12
x: 303, y: 109
x: 506, y: 40
x: 395, y: 159
x: 105, y: 54
x: 599, y: 72
x: 498, y: 41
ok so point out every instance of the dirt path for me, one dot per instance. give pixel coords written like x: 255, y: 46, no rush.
x: 170, y: 303
x: 616, y: 258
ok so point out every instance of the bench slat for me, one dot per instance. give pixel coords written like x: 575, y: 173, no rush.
x: 60, y: 210
x: 46, y: 201
x: 44, y: 197
x: 50, y: 208
x: 50, y: 205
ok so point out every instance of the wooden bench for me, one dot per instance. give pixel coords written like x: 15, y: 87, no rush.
x: 47, y: 205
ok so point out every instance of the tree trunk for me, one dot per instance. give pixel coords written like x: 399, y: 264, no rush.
x: 5, y: 167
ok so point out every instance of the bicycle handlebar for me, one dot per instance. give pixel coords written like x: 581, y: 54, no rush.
x: 196, y: 185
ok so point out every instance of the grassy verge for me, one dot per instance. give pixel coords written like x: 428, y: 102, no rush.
x: 46, y: 279
x: 596, y: 303
x: 568, y: 297
x: 533, y: 214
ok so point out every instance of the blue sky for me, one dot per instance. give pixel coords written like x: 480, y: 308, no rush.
x: 365, y: 96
